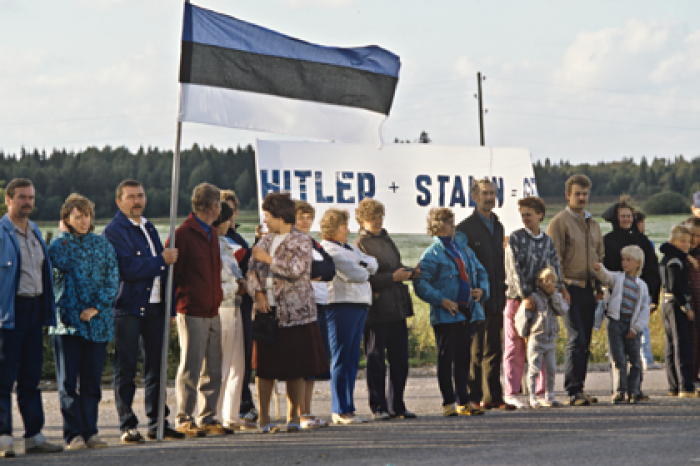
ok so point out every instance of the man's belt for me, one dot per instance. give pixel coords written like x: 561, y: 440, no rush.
x: 579, y: 283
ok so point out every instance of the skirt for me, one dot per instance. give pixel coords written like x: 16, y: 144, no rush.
x: 297, y: 353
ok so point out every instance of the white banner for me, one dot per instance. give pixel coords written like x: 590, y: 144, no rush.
x: 409, y: 179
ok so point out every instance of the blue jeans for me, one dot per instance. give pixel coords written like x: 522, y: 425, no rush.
x: 78, y: 358
x: 21, y: 359
x: 579, y: 328
x: 387, y: 342
x: 623, y: 349
x: 645, y: 347
x: 129, y: 333
x: 345, y: 325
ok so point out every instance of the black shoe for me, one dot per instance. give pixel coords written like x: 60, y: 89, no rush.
x: 168, y: 434
x: 132, y: 436
x: 618, y: 398
x: 579, y: 399
x: 635, y: 399
x: 404, y: 415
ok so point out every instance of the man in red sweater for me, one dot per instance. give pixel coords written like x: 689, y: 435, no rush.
x: 197, y: 287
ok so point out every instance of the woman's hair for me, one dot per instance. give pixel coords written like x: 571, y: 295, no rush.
x: 534, y: 203
x: 280, y: 205
x: 226, y: 213
x: 548, y: 271
x: 332, y: 220
x: 636, y: 253
x: 229, y: 195
x: 679, y: 230
x: 84, y: 205
x: 437, y: 216
x: 368, y: 209
x: 303, y: 207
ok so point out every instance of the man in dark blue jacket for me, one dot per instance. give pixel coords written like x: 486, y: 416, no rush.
x: 139, y: 309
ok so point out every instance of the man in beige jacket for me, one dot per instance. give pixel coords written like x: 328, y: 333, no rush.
x: 579, y: 244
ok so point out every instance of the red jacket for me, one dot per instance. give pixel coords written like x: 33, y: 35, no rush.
x: 197, y: 279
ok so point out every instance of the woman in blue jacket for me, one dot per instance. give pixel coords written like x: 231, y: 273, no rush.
x: 455, y: 284
x: 87, y: 279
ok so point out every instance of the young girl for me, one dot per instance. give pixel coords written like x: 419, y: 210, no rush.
x: 628, y: 314
x: 536, y: 320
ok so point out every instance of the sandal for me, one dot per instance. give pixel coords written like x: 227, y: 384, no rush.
x: 269, y: 429
x: 310, y: 422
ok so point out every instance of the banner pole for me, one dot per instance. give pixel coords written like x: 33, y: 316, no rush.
x: 169, y: 287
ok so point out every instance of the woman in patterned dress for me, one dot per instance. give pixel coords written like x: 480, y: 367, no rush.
x: 86, y: 282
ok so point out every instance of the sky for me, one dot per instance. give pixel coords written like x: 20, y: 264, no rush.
x: 584, y: 81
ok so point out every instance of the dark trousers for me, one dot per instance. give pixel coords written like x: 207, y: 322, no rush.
x: 679, y: 351
x: 78, y: 359
x: 129, y: 331
x: 454, y: 342
x: 579, y: 328
x: 20, y: 361
x: 486, y: 360
x: 247, y: 315
x: 387, y: 342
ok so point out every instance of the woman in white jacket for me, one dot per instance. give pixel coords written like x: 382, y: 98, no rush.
x: 349, y: 298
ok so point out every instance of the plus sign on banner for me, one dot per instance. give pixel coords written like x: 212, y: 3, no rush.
x: 409, y: 179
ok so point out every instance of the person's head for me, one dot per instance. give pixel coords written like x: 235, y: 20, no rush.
x: 77, y: 214
x: 223, y: 221
x: 334, y: 225
x: 640, y: 219
x: 681, y: 237
x: 230, y: 198
x: 577, y: 190
x: 305, y: 214
x: 441, y: 222
x: 625, y: 213
x: 370, y: 215
x: 693, y: 223
x: 532, y: 210
x: 695, y: 209
x: 206, y: 202
x: 131, y: 199
x: 483, y: 192
x: 632, y: 260
x: 547, y: 280
x: 19, y: 198
x: 279, y: 211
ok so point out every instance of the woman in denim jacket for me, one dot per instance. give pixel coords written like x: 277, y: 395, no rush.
x: 86, y: 282
x: 455, y: 284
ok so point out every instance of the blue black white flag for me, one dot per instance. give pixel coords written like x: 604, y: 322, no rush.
x: 240, y: 75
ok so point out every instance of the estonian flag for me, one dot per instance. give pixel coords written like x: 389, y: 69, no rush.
x: 240, y: 75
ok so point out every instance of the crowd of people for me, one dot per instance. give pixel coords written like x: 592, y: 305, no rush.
x: 297, y: 310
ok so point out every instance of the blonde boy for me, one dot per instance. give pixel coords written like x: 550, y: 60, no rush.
x: 628, y: 314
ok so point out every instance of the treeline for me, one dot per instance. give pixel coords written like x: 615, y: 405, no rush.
x: 95, y: 173
x: 624, y: 177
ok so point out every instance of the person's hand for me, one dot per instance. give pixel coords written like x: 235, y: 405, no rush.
x: 401, y: 275
x: 259, y: 231
x: 630, y: 335
x: 565, y: 294
x: 693, y: 261
x: 529, y: 305
x: 596, y: 267
x: 261, y: 303
x: 241, y: 288
x: 317, y: 279
x: 416, y: 272
x: 477, y: 293
x: 62, y: 226
x: 170, y: 256
x: 88, y: 314
x: 259, y: 254
x: 451, y: 306
x: 690, y: 315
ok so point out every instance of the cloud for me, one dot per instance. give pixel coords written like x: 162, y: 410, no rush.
x: 317, y: 3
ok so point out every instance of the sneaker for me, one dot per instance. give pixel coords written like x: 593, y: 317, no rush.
x: 591, y: 399
x: 7, y: 446
x: 96, y: 442
x: 689, y: 394
x: 550, y: 403
x: 190, y: 429
x: 39, y: 444
x: 535, y: 403
x: 250, y: 416
x: 515, y: 401
x: 215, y: 429
x: 449, y: 410
x: 168, y: 434
x: 618, y: 398
x: 404, y: 415
x: 469, y: 410
x: 381, y: 416
x: 132, y: 436
x: 578, y: 400
x: 78, y: 443
x: 346, y: 419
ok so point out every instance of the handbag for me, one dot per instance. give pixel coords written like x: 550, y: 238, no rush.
x: 265, y: 327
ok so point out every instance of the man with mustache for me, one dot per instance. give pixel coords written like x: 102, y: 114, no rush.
x: 485, y: 236
x: 579, y: 244
x: 139, y: 309
x: 26, y: 304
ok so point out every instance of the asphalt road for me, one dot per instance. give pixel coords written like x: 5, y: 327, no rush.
x: 665, y: 431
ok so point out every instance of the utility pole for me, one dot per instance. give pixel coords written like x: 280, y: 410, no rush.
x: 481, y: 107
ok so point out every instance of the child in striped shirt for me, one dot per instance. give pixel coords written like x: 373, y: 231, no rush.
x: 628, y: 314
